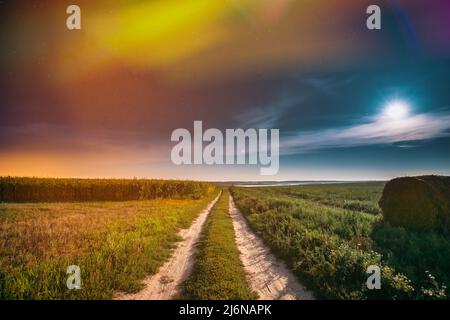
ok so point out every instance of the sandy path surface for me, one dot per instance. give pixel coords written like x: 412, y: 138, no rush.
x: 165, y: 284
x: 267, y: 275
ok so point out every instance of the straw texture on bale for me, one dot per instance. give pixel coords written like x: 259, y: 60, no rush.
x: 417, y: 203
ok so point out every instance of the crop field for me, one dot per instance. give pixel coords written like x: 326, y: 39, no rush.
x: 18, y: 189
x: 116, y: 244
x: 330, y: 234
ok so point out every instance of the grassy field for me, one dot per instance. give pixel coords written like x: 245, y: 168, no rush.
x: 218, y: 273
x: 116, y: 244
x: 329, y: 234
x: 362, y: 196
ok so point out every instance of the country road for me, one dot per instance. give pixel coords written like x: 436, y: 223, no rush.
x: 268, y: 276
x: 165, y: 284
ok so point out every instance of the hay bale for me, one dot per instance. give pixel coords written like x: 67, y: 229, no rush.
x: 417, y: 203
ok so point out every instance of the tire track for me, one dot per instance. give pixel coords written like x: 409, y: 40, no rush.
x: 164, y: 285
x: 267, y: 275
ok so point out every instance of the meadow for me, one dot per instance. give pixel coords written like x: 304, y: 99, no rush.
x: 363, y: 196
x: 120, y: 231
x: 330, y: 234
x: 218, y: 273
x: 116, y: 244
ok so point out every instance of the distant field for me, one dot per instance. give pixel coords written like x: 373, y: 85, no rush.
x: 116, y: 244
x: 362, y: 196
x: 329, y: 234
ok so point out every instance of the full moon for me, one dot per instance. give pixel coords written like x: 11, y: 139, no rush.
x: 396, y: 110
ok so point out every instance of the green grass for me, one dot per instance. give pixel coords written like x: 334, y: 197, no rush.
x: 362, y: 196
x: 116, y: 244
x: 329, y: 247
x: 218, y: 273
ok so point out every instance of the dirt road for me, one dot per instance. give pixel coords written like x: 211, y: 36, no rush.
x: 164, y: 284
x: 268, y: 276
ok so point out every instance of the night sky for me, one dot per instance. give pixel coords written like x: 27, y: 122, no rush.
x: 350, y: 103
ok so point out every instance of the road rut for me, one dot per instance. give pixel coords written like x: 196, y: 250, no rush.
x: 267, y: 275
x: 164, y: 285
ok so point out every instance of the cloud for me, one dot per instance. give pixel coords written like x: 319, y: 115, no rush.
x: 327, y: 85
x: 378, y: 130
x: 268, y: 116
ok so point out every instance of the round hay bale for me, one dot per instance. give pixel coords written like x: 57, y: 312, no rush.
x: 417, y: 203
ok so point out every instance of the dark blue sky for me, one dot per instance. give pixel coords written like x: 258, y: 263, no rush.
x: 350, y: 103
x: 316, y: 102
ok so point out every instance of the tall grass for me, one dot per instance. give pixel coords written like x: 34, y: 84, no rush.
x: 17, y: 189
x: 330, y: 247
x: 218, y: 273
x: 116, y: 244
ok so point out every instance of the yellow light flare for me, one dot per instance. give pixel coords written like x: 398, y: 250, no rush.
x: 210, y: 38
x: 160, y: 32
x: 153, y: 34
